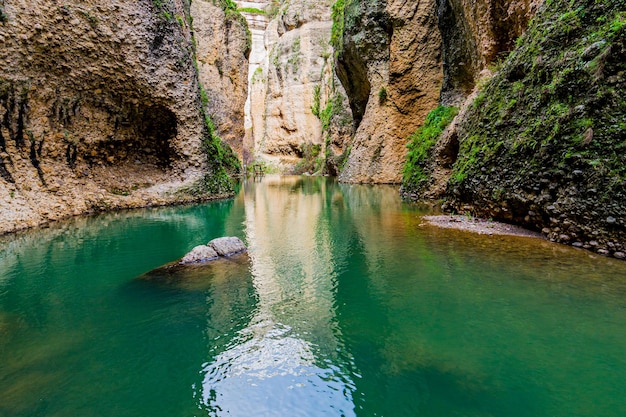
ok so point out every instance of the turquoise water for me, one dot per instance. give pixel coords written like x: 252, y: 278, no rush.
x: 346, y: 305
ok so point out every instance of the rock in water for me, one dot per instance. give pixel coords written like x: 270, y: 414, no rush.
x: 226, y: 246
x: 200, y: 253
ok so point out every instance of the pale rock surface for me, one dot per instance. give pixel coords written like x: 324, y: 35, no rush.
x: 200, y: 253
x: 226, y: 246
x: 222, y: 53
x: 288, y: 67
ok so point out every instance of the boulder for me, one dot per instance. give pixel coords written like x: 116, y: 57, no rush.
x: 200, y: 253
x: 227, y: 246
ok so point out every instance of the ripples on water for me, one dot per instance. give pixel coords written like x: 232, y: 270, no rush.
x: 346, y: 306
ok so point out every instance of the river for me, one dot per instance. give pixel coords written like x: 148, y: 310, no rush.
x: 347, y: 305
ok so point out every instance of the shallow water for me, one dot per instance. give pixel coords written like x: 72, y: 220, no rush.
x: 347, y: 305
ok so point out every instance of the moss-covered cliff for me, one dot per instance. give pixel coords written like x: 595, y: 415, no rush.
x: 544, y: 142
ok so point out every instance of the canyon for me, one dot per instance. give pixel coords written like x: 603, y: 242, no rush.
x: 508, y: 110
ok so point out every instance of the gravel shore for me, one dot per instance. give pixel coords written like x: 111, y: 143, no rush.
x: 484, y: 227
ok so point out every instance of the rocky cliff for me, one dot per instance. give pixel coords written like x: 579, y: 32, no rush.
x: 391, y: 67
x: 540, y: 142
x: 292, y: 82
x: 543, y: 143
x: 400, y: 59
x: 222, y: 50
x: 100, y: 108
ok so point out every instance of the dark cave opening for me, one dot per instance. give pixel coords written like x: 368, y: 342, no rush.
x: 143, y: 135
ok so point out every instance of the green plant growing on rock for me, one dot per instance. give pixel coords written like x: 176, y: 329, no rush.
x: 3, y: 16
x: 336, y: 34
x: 180, y: 20
x: 315, y: 107
x: 296, y: 55
x: 257, y: 76
x: 382, y: 95
x: 420, y: 146
x: 311, y: 161
x: 251, y: 10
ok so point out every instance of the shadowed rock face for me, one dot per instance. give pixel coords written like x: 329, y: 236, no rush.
x: 476, y: 34
x: 99, y: 107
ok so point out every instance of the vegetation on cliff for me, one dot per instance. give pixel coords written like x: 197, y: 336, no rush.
x: 416, y: 173
x: 544, y: 143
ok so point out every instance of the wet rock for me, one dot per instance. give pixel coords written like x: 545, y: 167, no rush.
x: 227, y: 246
x: 194, y: 266
x: 200, y: 253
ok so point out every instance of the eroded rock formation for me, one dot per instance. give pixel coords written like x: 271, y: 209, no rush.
x: 223, y: 47
x: 99, y: 108
x: 392, y: 71
x: 292, y: 82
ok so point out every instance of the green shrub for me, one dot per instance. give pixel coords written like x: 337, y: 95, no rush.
x: 251, y: 10
x: 382, y: 95
x: 311, y: 161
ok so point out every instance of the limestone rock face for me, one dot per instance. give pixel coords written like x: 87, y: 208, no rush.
x: 257, y: 67
x: 391, y: 68
x: 476, y: 34
x: 222, y: 52
x: 283, y: 88
x: 401, y: 59
x: 99, y: 107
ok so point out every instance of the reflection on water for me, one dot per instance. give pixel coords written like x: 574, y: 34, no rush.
x: 283, y: 363
x: 346, y: 305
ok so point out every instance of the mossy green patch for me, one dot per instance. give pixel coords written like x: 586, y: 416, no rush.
x: 421, y: 143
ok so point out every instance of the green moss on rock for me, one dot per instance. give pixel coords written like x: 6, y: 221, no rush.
x: 416, y: 173
x: 544, y: 143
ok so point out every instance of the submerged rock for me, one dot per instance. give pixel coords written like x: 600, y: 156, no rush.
x: 222, y: 254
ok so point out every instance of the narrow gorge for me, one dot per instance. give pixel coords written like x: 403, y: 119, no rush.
x: 502, y: 109
x: 348, y: 208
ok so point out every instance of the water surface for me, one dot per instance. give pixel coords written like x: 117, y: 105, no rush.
x: 346, y: 306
